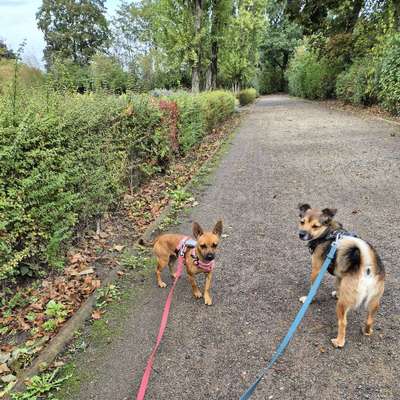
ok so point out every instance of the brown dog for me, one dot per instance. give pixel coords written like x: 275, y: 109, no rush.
x: 357, y: 267
x: 199, y: 259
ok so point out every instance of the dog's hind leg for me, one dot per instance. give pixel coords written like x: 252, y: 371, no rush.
x: 161, y: 264
x: 341, y: 312
x: 372, y: 308
x: 171, y: 264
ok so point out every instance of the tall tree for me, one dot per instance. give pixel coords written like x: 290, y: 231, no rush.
x: 73, y: 30
x: 220, y: 13
x: 240, y: 51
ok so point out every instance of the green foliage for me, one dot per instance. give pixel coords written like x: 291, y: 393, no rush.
x: 239, y: 51
x: 73, y: 30
x: 358, y: 85
x: 247, y: 96
x: 39, y: 386
x: 389, y: 78
x: 200, y: 114
x: 270, y: 79
x: 107, y: 74
x: 309, y: 76
x: 68, y: 158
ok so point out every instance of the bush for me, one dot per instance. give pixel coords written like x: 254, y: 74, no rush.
x: 358, y: 85
x: 389, y: 79
x: 247, y: 96
x: 271, y: 80
x: 66, y: 159
x: 309, y: 76
x: 200, y: 114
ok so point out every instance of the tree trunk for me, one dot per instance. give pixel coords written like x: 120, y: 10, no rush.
x: 396, y: 12
x: 353, y: 16
x: 215, y: 27
x: 195, y: 78
x: 196, y: 65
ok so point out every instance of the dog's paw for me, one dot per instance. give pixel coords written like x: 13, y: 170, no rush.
x: 207, y: 300
x: 162, y: 284
x: 302, y: 299
x: 173, y: 275
x: 197, y: 294
x: 367, y: 330
x: 337, y: 343
x: 334, y: 294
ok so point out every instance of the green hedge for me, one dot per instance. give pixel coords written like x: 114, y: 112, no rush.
x: 358, y: 85
x: 310, y: 76
x: 66, y: 159
x: 200, y: 114
x: 389, y: 77
x: 247, y: 96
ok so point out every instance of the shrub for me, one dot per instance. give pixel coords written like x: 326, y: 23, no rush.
x: 309, y: 76
x: 200, y: 114
x: 247, y: 96
x: 358, y: 85
x: 65, y: 159
x: 67, y: 164
x: 389, y: 79
x: 270, y: 80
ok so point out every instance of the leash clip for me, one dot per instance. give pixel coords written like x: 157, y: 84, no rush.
x: 339, y: 236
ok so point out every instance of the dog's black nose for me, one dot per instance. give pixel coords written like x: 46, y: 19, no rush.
x: 302, y: 234
x: 209, y: 257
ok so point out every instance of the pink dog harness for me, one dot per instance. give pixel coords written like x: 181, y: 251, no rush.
x: 204, y: 266
x: 191, y: 243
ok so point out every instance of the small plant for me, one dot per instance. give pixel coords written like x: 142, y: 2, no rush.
x: 106, y: 295
x: 135, y: 261
x: 50, y: 325
x: 41, y: 385
x: 56, y: 310
x: 179, y: 196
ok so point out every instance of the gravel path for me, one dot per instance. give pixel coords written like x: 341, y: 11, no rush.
x: 285, y: 152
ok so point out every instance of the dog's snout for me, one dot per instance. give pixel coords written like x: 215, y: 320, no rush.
x: 303, y: 235
x: 210, y: 256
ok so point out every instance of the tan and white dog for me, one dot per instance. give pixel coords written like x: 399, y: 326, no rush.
x: 357, y: 267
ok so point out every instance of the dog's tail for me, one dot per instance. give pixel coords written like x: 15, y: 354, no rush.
x: 145, y: 243
x: 353, y: 253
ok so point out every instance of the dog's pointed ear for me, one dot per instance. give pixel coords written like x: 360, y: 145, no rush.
x: 328, y: 214
x: 303, y: 208
x: 197, y: 230
x: 218, y: 228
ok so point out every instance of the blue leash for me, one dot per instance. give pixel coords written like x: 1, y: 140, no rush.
x: 282, y: 346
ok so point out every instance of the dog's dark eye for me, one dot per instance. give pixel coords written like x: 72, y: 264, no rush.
x: 203, y: 246
x: 214, y: 245
x: 315, y: 226
x: 301, y: 222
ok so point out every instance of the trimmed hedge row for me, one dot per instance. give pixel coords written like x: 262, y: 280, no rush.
x: 66, y: 159
x: 247, y: 96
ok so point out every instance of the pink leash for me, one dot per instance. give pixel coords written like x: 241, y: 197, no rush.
x: 164, y: 319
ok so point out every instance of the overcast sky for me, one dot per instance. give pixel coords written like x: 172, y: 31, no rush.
x: 17, y: 22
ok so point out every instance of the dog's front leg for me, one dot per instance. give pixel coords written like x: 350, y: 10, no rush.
x: 207, y: 287
x: 195, y: 289
x: 315, y: 268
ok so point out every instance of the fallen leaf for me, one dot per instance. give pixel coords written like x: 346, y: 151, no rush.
x: 86, y: 271
x: 4, y: 368
x: 120, y: 273
x: 96, y: 314
x: 118, y: 247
